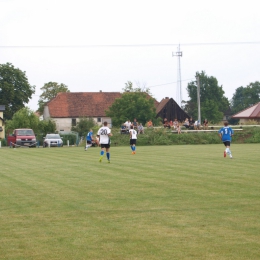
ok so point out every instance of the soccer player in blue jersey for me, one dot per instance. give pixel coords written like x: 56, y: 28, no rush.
x: 89, y: 139
x: 225, y: 134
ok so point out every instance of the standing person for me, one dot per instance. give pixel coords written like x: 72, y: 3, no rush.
x: 225, y: 134
x: 89, y: 139
x: 133, y: 137
x: 104, y: 134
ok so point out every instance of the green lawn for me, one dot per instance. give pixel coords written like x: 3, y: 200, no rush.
x: 165, y: 202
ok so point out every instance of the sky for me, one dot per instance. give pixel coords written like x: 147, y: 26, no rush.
x: 101, y: 45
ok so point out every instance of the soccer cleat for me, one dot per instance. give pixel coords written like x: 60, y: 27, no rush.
x: 225, y: 154
x: 100, y: 159
x: 108, y: 161
x: 231, y: 156
x: 133, y: 152
x: 86, y: 149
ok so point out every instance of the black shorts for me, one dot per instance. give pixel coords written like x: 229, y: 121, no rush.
x: 132, y: 141
x: 89, y: 142
x: 226, y: 143
x: 105, y: 145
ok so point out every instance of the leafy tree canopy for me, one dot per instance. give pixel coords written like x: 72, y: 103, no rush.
x: 244, y: 97
x: 15, y: 90
x: 134, y: 103
x: 83, y: 126
x: 26, y: 118
x: 49, y: 91
x: 213, y: 103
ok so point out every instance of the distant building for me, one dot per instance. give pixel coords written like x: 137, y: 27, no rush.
x: 169, y: 109
x: 67, y: 108
x: 251, y: 113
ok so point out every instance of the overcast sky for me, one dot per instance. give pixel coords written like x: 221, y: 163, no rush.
x: 100, y: 45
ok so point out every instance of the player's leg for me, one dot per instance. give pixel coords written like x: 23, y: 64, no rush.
x: 225, y: 151
x: 108, y: 154
x: 102, y: 152
x: 131, y: 146
x: 88, y: 144
x: 228, y: 150
x: 134, y: 145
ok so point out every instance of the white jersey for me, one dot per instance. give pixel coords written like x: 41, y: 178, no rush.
x: 133, y: 134
x: 103, y: 133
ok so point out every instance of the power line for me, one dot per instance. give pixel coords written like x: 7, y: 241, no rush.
x: 169, y: 83
x: 127, y: 45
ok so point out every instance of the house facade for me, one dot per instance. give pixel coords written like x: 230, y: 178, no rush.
x: 67, y: 108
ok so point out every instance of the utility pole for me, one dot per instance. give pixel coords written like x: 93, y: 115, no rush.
x: 178, y: 90
x: 198, y: 98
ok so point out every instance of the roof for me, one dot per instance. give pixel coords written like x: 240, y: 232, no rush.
x: 162, y: 104
x: 2, y: 107
x: 81, y: 104
x: 250, y: 113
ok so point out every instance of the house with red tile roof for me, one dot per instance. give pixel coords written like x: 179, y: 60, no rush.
x: 67, y: 108
x: 251, y: 113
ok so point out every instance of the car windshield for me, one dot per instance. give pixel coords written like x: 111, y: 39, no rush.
x: 53, y: 136
x: 25, y: 132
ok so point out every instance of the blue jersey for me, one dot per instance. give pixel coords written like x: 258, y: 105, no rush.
x: 226, y: 133
x: 89, y: 136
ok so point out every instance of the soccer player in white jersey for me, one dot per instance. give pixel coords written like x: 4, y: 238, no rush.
x: 133, y: 137
x: 225, y: 134
x: 104, y: 134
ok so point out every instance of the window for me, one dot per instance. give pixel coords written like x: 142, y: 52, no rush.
x: 73, y: 122
x: 99, y: 119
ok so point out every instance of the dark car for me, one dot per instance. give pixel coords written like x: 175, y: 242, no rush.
x: 52, y: 140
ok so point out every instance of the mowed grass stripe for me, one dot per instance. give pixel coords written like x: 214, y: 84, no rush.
x: 165, y: 202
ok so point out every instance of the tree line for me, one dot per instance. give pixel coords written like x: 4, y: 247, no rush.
x: 16, y: 91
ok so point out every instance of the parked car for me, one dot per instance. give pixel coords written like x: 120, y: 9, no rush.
x: 52, y: 140
x: 22, y: 137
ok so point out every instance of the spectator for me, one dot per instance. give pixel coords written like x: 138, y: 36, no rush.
x: 191, y: 122
x: 205, y: 123
x: 171, y: 123
x: 178, y: 128
x: 150, y: 124
x: 166, y: 123
x: 140, y: 129
x: 197, y: 125
x: 123, y: 129
x: 175, y: 123
x: 186, y: 123
x: 135, y: 124
x: 128, y: 124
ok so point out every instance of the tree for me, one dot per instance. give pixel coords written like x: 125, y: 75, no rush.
x: 213, y: 103
x: 15, y: 90
x: 134, y: 103
x: 26, y: 118
x: 50, y: 90
x: 83, y: 126
x: 244, y: 97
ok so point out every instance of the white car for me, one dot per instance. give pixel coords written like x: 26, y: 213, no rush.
x: 52, y: 140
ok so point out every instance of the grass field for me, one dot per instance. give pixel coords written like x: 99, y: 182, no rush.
x: 165, y: 202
